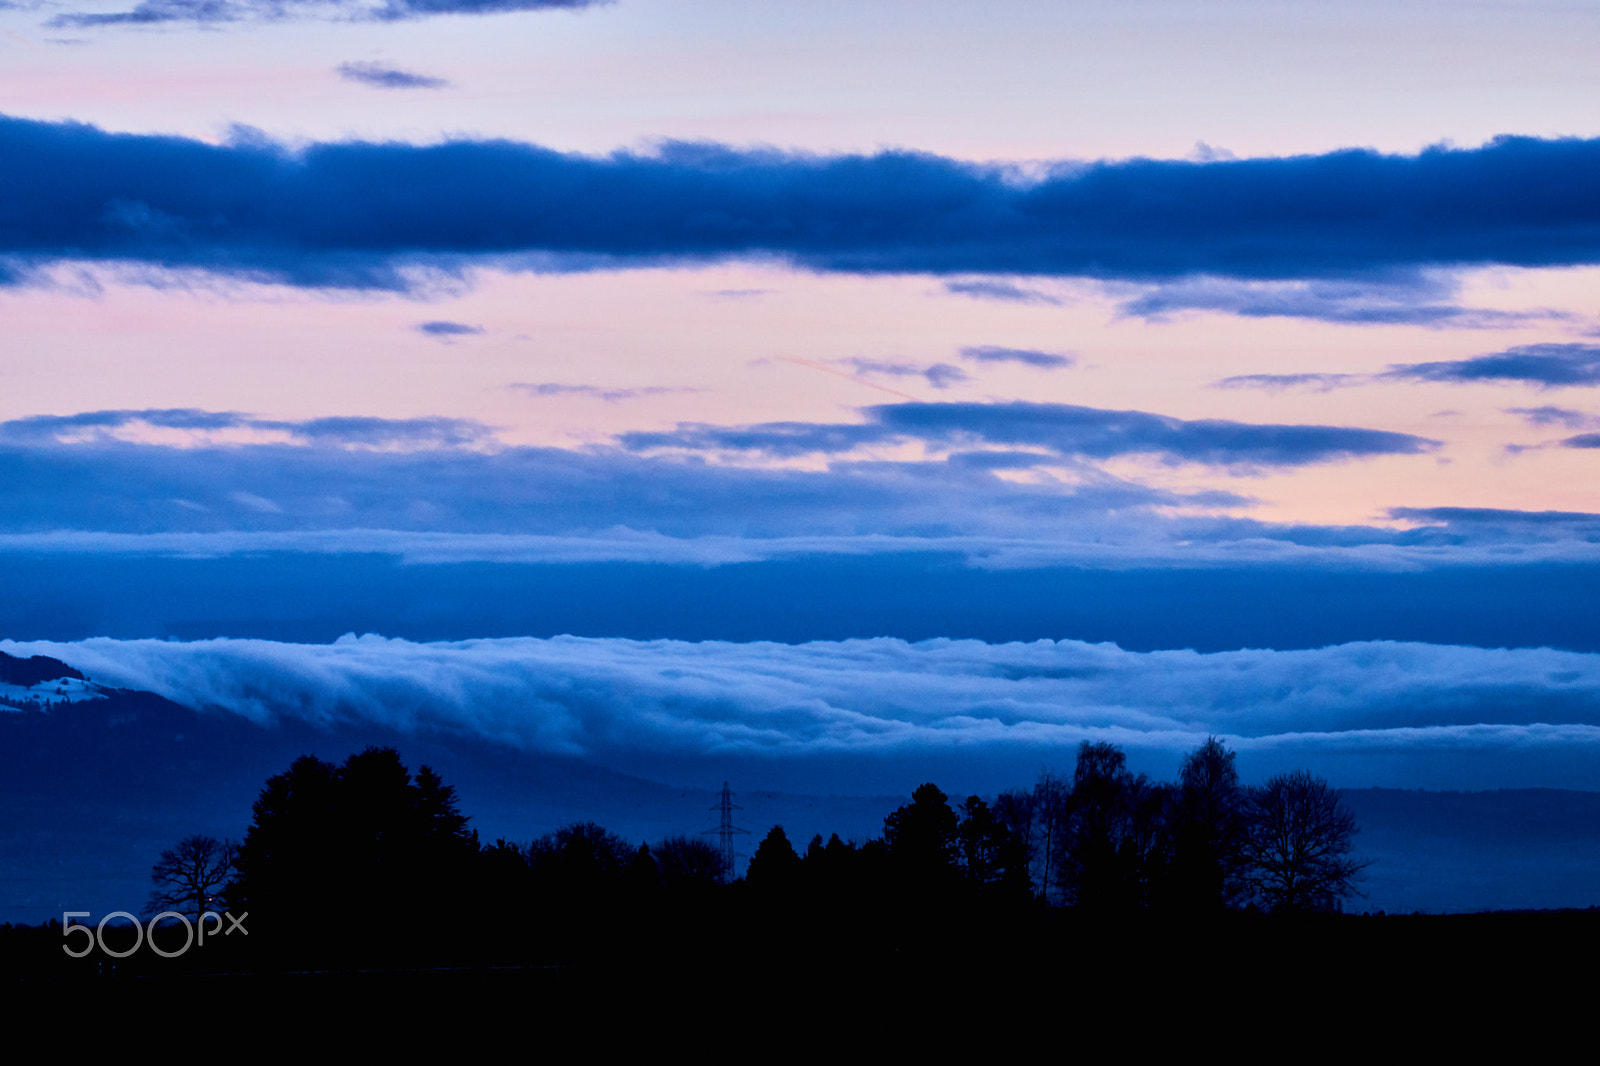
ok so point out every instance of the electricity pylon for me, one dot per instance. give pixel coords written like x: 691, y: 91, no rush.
x: 726, y: 829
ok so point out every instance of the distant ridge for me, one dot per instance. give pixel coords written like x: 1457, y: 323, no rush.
x: 34, y: 671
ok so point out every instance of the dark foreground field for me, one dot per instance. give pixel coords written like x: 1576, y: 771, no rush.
x: 989, y: 972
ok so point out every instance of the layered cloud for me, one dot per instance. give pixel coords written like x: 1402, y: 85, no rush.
x: 872, y: 711
x: 359, y: 214
x: 1012, y: 484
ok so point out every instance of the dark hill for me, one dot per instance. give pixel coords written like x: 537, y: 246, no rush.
x: 33, y: 671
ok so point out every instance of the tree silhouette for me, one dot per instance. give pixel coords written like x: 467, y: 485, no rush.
x: 584, y: 861
x: 774, y: 866
x: 1209, y: 830
x: 360, y: 844
x: 923, y: 844
x: 189, y: 877
x: 924, y: 830
x: 1298, y: 844
x: 688, y: 863
x: 1094, y: 852
x: 994, y: 857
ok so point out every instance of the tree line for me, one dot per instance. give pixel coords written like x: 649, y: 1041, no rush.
x: 1108, y: 841
x: 367, y: 861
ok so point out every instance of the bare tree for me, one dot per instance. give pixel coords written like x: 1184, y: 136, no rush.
x: 1052, y: 804
x: 1297, y: 844
x: 189, y: 877
x: 688, y: 862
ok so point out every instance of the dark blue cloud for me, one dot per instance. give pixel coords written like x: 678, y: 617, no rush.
x: 989, y: 353
x: 359, y: 214
x: 214, y: 12
x: 1582, y: 440
x: 1064, y: 429
x: 1548, y: 366
x: 380, y: 76
x: 446, y: 330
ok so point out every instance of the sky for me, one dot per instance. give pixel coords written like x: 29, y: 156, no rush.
x: 684, y: 385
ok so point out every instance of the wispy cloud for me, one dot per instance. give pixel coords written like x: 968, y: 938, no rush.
x: 1286, y: 382
x: 446, y: 330
x: 217, y: 12
x: 1007, y: 291
x: 1495, y: 516
x: 1064, y: 429
x: 1409, y: 299
x: 990, y: 353
x: 937, y: 375
x: 1549, y: 415
x: 381, y: 76
x: 1548, y: 366
x: 599, y: 392
x: 203, y: 427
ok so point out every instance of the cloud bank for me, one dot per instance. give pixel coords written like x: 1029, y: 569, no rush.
x: 1371, y: 713
x: 1004, y: 485
x: 356, y: 214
